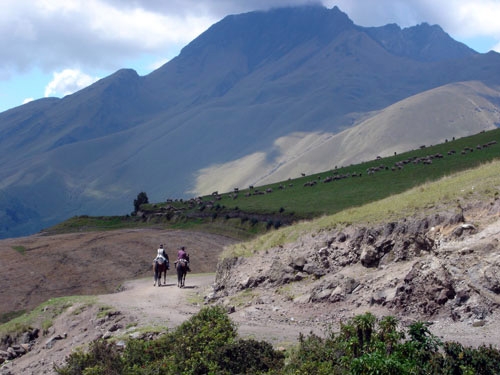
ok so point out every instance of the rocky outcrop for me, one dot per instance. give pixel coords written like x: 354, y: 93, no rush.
x: 14, y: 347
x: 424, y: 267
x: 107, y: 327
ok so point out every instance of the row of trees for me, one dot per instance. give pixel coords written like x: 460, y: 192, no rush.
x: 208, y: 344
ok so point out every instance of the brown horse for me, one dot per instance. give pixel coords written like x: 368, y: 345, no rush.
x: 160, y: 267
x: 181, y: 267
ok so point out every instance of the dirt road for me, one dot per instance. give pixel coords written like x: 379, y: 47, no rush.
x: 169, y: 306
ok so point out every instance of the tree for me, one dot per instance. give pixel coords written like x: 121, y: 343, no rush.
x: 142, y: 198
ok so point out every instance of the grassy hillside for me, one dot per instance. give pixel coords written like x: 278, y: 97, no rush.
x: 458, y: 109
x: 253, y: 210
x: 328, y: 198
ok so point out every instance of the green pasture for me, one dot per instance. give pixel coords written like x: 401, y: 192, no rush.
x: 328, y: 198
x: 249, y: 214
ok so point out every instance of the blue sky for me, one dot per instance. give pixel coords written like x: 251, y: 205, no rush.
x: 56, y: 47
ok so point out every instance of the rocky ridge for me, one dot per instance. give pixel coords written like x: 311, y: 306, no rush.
x: 444, y: 266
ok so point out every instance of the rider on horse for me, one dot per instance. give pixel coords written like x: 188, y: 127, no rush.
x: 182, y: 256
x: 162, y: 256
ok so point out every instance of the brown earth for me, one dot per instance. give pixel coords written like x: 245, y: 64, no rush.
x: 442, y: 270
x: 92, y: 262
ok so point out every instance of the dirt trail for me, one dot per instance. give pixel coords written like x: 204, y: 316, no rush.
x: 166, y: 305
x: 169, y: 306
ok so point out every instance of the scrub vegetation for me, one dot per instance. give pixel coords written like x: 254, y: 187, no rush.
x: 207, y: 343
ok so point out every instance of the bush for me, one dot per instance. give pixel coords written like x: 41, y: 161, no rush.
x: 198, y: 340
x: 207, y: 344
x: 102, y: 358
x: 248, y: 357
x: 142, y: 198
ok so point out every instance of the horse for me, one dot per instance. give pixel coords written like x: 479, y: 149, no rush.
x: 181, y: 268
x: 159, y: 266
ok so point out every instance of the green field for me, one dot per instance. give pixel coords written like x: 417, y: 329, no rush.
x: 250, y: 213
x: 329, y: 198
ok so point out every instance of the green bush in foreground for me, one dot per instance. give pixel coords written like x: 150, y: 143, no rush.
x: 207, y: 344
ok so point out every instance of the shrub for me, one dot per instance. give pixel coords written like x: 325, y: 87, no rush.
x: 248, y: 357
x: 207, y: 344
x: 142, y: 198
x: 102, y: 358
x: 198, y: 340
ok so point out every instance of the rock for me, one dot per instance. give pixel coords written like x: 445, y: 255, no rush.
x: 115, y: 327
x: 136, y: 335
x: 322, y: 295
x: 461, y: 297
x: 458, y: 231
x: 341, y: 237
x: 298, y: 263
x: 12, y: 353
x: 50, y: 342
x: 349, y: 285
x: 378, y: 298
x: 369, y: 257
x: 29, y: 336
x: 4, y: 355
x: 491, y: 278
x: 305, y: 298
x: 121, y: 345
x: 314, y: 270
x: 478, y: 323
x: 19, y: 350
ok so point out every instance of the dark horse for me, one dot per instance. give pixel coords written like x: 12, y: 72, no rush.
x: 158, y: 268
x: 181, y: 268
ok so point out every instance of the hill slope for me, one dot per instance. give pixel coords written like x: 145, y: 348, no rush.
x: 235, y: 91
x: 431, y: 117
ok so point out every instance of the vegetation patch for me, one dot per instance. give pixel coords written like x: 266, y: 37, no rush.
x: 20, y: 249
x: 43, y: 315
x: 207, y: 343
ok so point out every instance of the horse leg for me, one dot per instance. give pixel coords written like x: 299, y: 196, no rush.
x: 179, y: 277
x: 154, y: 273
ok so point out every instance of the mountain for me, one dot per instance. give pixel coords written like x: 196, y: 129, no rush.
x: 257, y: 96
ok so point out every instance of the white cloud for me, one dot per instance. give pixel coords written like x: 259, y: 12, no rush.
x: 101, y: 34
x: 96, y: 34
x: 27, y: 100
x: 477, y: 18
x: 462, y: 19
x: 67, y: 82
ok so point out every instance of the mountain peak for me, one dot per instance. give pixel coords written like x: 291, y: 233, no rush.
x: 260, y: 32
x: 423, y: 42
